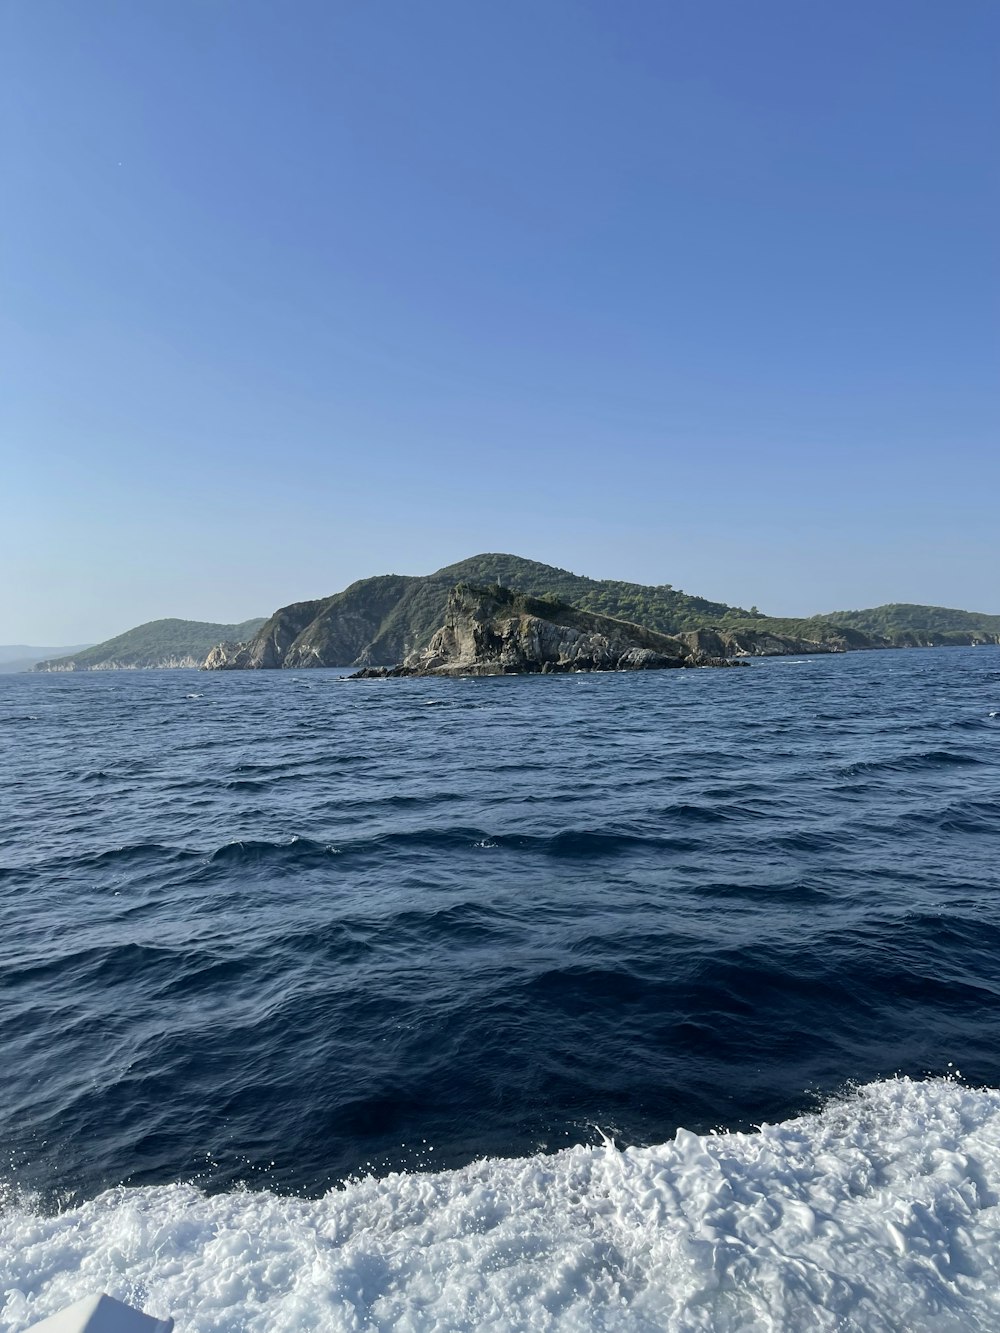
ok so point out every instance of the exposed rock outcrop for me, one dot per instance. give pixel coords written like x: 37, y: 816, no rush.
x: 496, y: 632
x: 369, y: 622
x: 269, y: 646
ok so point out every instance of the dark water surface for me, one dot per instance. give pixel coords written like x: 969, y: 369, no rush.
x: 279, y: 928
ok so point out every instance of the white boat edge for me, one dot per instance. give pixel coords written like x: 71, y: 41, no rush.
x: 101, y: 1314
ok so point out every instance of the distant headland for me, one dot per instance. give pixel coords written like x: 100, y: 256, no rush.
x: 385, y: 620
x: 155, y: 645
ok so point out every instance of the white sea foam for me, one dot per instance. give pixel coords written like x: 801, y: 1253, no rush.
x: 879, y: 1213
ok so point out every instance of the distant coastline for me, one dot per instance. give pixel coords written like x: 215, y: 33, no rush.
x: 156, y: 645
x: 24, y: 656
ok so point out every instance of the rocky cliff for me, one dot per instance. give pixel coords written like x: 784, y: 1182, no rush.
x: 377, y: 620
x: 496, y: 632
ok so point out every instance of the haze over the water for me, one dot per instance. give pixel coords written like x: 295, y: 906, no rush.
x: 699, y: 294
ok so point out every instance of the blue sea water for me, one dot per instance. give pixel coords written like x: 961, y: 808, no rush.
x: 279, y: 931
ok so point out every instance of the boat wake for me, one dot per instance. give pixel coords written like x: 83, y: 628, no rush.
x: 880, y: 1212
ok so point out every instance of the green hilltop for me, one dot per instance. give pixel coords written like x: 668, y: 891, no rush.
x: 659, y: 607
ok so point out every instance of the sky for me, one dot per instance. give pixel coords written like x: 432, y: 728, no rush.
x: 691, y: 293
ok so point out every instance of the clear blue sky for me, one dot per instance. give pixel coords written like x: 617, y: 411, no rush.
x: 700, y: 291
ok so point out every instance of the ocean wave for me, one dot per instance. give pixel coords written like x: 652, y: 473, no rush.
x: 912, y: 763
x: 978, y: 817
x: 287, y: 855
x: 258, y: 851
x: 879, y: 1212
x: 111, y: 859
x: 565, y: 844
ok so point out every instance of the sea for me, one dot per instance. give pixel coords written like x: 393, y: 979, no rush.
x: 653, y: 1001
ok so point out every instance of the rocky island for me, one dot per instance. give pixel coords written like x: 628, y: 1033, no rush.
x: 496, y: 632
x: 386, y: 619
x: 389, y: 618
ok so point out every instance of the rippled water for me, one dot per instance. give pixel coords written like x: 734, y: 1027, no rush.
x: 281, y: 929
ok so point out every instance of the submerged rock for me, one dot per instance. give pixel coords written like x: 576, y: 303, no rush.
x: 383, y: 673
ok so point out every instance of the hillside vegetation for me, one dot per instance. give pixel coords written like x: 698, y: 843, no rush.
x: 659, y: 607
x: 899, y: 625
